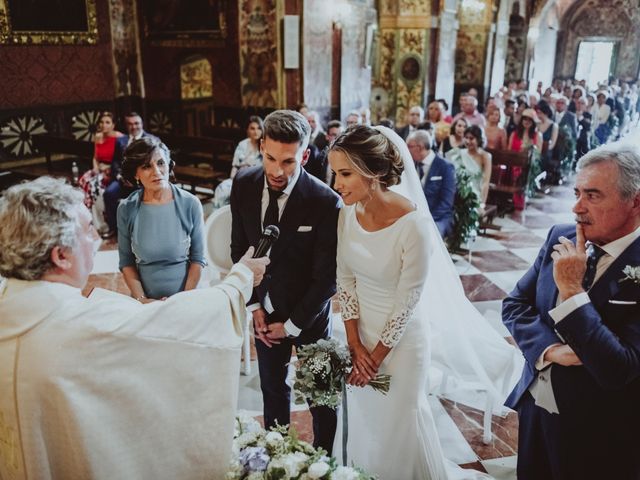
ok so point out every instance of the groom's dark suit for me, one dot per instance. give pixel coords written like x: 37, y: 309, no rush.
x: 596, y: 433
x: 300, y: 280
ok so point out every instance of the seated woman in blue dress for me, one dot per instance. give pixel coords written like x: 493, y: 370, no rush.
x: 160, y: 226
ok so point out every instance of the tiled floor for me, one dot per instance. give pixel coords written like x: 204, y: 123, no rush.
x: 498, y: 259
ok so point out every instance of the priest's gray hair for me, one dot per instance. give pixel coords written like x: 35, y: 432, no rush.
x: 626, y: 157
x: 35, y: 217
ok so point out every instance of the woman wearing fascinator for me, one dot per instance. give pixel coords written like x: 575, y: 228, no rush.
x: 400, y: 294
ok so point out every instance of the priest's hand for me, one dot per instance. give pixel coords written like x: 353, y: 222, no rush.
x: 256, y: 265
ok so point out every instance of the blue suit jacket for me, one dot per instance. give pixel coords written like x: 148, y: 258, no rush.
x: 440, y: 190
x: 604, y: 335
x: 301, y: 278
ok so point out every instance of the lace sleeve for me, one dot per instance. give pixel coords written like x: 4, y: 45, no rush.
x: 395, y: 326
x: 413, y: 273
x: 349, y: 308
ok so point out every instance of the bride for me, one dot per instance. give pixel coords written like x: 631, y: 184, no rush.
x: 399, y: 293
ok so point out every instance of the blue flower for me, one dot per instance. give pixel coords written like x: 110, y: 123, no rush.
x: 254, y: 459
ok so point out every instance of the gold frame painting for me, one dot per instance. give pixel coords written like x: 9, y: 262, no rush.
x: 32, y: 22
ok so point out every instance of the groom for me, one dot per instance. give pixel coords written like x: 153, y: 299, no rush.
x: 576, y: 317
x: 291, y: 307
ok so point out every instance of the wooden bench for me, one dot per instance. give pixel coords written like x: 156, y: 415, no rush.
x: 78, y: 150
x: 200, y: 161
x: 508, y: 178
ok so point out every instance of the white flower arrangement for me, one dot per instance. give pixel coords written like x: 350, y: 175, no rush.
x: 631, y: 273
x: 280, y: 455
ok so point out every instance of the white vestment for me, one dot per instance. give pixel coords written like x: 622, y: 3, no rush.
x: 106, y: 387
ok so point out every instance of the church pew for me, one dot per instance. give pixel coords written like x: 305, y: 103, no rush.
x: 200, y: 161
x: 508, y: 178
x: 79, y: 151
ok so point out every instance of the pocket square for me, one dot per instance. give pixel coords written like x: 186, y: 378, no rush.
x: 305, y: 228
x: 622, y: 302
x: 435, y: 178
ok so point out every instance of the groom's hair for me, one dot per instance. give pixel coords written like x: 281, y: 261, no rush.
x: 287, y: 126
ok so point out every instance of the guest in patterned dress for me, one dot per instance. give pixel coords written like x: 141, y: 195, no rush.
x: 94, y: 181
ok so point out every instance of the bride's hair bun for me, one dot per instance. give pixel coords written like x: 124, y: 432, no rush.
x: 372, y: 154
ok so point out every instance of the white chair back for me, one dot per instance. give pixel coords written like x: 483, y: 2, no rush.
x: 217, y: 232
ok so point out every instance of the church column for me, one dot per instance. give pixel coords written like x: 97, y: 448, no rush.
x: 500, y: 50
x: 446, y: 55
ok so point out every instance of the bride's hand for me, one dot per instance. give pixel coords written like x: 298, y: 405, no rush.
x: 364, y: 367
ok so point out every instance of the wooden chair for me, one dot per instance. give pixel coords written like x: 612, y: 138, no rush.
x: 508, y: 178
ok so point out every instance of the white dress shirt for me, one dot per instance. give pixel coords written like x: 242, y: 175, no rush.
x: 289, y: 326
x: 426, y: 165
x: 541, y: 389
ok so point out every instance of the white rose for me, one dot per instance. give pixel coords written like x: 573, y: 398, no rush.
x: 344, y: 473
x: 318, y: 470
x: 293, y: 462
x: 273, y: 438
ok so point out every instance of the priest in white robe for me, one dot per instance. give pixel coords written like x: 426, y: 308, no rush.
x: 105, y: 387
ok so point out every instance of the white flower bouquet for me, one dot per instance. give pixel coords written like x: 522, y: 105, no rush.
x: 322, y: 371
x: 280, y: 455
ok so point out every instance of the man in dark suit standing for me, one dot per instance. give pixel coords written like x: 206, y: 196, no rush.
x: 576, y: 317
x: 415, y: 117
x: 564, y: 118
x: 116, y: 190
x: 292, y: 304
x: 438, y: 179
x: 319, y: 166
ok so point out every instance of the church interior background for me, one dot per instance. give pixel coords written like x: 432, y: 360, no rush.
x: 201, y: 68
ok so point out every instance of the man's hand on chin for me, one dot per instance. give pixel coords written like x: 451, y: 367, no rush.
x: 569, y: 265
x: 276, y: 331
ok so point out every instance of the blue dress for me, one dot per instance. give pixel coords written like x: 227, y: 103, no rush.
x: 161, y: 241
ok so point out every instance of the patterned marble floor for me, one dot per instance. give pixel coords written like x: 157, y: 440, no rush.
x: 497, y: 260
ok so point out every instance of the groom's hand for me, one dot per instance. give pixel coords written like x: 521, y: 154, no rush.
x: 260, y: 327
x: 562, y: 355
x: 276, y: 332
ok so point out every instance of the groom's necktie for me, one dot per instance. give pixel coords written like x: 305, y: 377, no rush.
x: 593, y: 255
x: 271, y: 216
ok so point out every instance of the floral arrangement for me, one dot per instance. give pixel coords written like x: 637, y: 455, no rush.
x: 631, y: 273
x: 280, y: 455
x: 466, y: 218
x: 322, y: 372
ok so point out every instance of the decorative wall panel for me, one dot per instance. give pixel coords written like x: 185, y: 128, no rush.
x: 260, y: 80
x: 32, y: 75
x: 471, y: 45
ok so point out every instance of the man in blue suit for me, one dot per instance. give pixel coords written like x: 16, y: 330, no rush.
x: 576, y: 317
x: 292, y: 305
x: 438, y: 179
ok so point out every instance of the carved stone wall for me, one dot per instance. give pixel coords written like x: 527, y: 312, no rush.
x: 403, y: 58
x: 590, y: 19
x: 475, y: 19
x: 516, y: 44
x: 317, y: 29
x: 36, y: 75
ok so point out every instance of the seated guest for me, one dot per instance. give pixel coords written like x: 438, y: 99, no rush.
x: 438, y: 179
x: 526, y: 133
x: 317, y: 133
x: 247, y: 154
x: 508, y: 111
x: 600, y: 113
x: 583, y: 143
x: 496, y: 135
x: 318, y: 166
x: 456, y: 136
x: 476, y: 161
x: 445, y: 108
x: 435, y: 116
x: 105, y: 387
x: 387, y: 122
x: 95, y: 181
x: 549, y: 131
x: 352, y: 118
x: 116, y: 190
x: 469, y: 106
x: 415, y: 118
x: 160, y: 227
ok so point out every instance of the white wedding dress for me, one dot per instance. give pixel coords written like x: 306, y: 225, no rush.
x: 400, y: 285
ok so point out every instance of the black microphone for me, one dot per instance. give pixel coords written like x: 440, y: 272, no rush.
x: 267, y: 239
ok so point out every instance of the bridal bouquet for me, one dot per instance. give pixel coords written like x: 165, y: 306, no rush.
x: 275, y: 455
x: 322, y: 371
